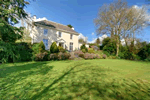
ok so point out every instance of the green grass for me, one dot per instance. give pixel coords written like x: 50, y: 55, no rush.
x: 103, y: 79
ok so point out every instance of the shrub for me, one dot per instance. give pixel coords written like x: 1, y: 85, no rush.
x: 35, y: 48
x: 24, y: 50
x: 61, y: 49
x: 81, y: 55
x: 54, y: 48
x: 88, y: 56
x: 53, y: 56
x: 110, y: 48
x: 83, y: 50
x: 90, y: 50
x: 63, y: 56
x: 41, y: 57
x: 76, y: 53
x: 104, y: 56
x: 106, y: 53
x: 84, y: 47
x: 41, y: 47
x: 8, y: 53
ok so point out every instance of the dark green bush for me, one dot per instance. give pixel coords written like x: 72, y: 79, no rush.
x: 110, y: 48
x: 61, y: 49
x: 54, y: 48
x: 84, y: 47
x: 41, y: 47
x: 81, y: 55
x: 24, y: 50
x: 35, y: 48
x: 144, y: 52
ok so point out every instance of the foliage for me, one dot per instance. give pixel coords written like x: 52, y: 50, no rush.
x: 98, y: 41
x: 78, y: 52
x: 81, y: 55
x: 104, y: 56
x: 81, y: 40
x: 84, y: 47
x: 15, y: 52
x: 110, y: 48
x: 144, y: 52
x: 70, y: 26
x: 12, y: 11
x: 106, y: 41
x: 53, y: 56
x: 8, y: 52
x: 90, y: 50
x: 54, y: 48
x: 61, y: 49
x: 84, y: 50
x: 63, y: 56
x: 24, y: 50
x: 41, y: 56
x: 41, y: 47
x: 88, y: 56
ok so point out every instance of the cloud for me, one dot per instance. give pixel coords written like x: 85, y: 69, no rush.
x: 101, y: 39
x: 93, y: 33
x: 81, y: 36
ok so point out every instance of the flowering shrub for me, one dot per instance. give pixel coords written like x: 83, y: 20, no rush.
x: 63, y: 56
x: 78, y: 52
x: 88, y: 56
x: 41, y: 57
x: 104, y: 56
x: 53, y: 56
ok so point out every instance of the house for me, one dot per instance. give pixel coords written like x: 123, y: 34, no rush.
x: 49, y: 32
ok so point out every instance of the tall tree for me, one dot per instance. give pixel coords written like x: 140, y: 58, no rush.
x: 98, y: 41
x: 120, y: 21
x: 11, y: 12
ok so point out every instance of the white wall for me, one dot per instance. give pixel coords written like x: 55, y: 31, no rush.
x: 38, y: 35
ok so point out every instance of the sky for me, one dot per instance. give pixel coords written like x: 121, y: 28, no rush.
x: 79, y: 13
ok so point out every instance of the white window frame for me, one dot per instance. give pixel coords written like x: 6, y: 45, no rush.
x: 71, y: 46
x: 45, y: 34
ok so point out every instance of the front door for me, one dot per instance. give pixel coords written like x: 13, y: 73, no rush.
x: 61, y: 44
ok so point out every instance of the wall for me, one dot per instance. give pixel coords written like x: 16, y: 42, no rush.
x: 38, y: 35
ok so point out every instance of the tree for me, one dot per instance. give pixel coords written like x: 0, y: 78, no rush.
x: 81, y: 41
x: 11, y: 12
x: 70, y: 26
x: 120, y: 21
x: 54, y: 48
x: 98, y: 41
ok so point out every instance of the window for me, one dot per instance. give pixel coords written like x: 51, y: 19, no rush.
x: 45, y: 41
x: 45, y: 32
x: 71, y: 46
x: 71, y: 36
x: 59, y: 34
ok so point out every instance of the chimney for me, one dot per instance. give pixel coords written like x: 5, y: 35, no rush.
x: 34, y: 17
x: 73, y: 28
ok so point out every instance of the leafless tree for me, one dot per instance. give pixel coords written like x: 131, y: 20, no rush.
x: 120, y: 21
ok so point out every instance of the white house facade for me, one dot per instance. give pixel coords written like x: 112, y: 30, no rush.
x: 49, y: 32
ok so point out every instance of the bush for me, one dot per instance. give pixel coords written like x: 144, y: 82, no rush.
x: 81, y: 55
x: 110, y: 48
x: 63, y: 56
x: 53, y: 56
x: 15, y: 52
x: 54, y: 48
x: 61, y: 49
x: 104, y: 56
x: 35, y: 48
x: 88, y: 56
x: 83, y: 50
x: 25, y: 51
x: 41, y: 47
x: 106, y: 53
x: 41, y: 57
x: 90, y: 50
x: 8, y: 53
x: 84, y: 47
x: 77, y: 53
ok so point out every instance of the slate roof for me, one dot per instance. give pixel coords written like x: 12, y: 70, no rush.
x: 56, y: 26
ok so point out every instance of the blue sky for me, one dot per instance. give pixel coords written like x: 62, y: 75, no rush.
x: 79, y: 13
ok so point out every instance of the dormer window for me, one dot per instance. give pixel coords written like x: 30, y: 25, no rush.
x: 71, y: 36
x: 59, y: 34
x: 45, y: 32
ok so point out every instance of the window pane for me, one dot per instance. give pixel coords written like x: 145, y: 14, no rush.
x: 45, y: 31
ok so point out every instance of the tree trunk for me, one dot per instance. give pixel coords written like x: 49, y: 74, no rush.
x: 117, y: 44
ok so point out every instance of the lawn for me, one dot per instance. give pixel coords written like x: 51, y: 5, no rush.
x: 103, y: 79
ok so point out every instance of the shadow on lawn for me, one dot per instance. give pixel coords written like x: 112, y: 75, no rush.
x: 86, y: 87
